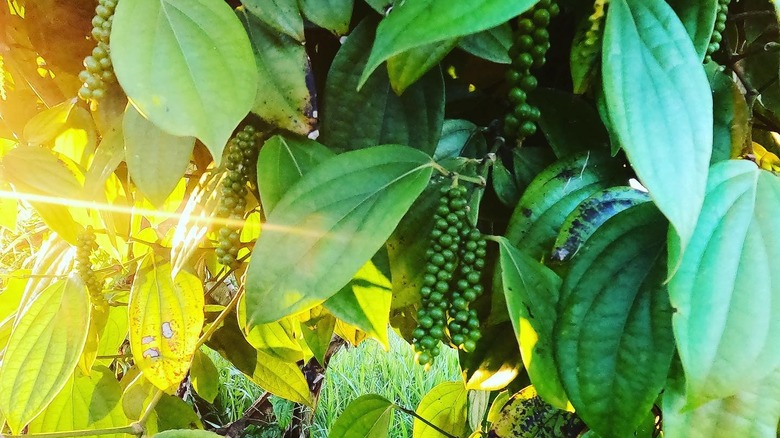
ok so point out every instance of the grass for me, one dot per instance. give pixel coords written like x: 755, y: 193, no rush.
x: 365, y: 369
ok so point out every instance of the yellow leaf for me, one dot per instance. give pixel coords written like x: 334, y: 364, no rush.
x: 79, y: 138
x: 48, y: 123
x: 97, y: 324
x: 166, y: 317
x: 444, y: 406
x: 47, y: 340
x: 765, y: 159
x: 276, y: 339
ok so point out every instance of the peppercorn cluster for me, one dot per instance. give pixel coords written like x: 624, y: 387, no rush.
x: 453, y: 270
x: 98, y: 69
x: 240, y: 158
x: 86, y: 244
x: 529, y: 50
x: 717, y: 31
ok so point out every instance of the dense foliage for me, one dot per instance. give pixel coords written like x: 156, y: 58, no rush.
x: 579, y: 197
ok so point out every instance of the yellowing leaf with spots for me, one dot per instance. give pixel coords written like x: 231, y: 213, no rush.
x: 166, y: 317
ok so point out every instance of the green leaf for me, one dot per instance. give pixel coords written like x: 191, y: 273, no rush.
x: 726, y: 297
x: 585, y: 55
x: 415, y: 24
x: 504, y: 184
x: 43, y: 350
x: 155, y: 159
x: 333, y: 15
x: 186, y: 433
x: 652, y: 74
x: 375, y: 115
x: 283, y: 97
x: 590, y: 215
x: 553, y: 195
x: 166, y: 317
x: 526, y: 415
x: 347, y: 207
x: 319, y: 335
x: 699, y: 21
x: 498, y: 403
x: 569, y: 123
x: 365, y: 303
x: 172, y: 412
x: 204, y: 376
x: 408, y: 67
x: 381, y: 6
x: 754, y: 411
x: 614, y: 340
x: 445, y: 407
x: 187, y: 65
x: 282, y: 162
x: 275, y: 338
x: 495, y: 363
x: 281, y: 378
x: 531, y: 292
x: 281, y: 15
x: 86, y: 402
x: 368, y: 416
x: 457, y: 139
x: 492, y: 44
x: 730, y: 125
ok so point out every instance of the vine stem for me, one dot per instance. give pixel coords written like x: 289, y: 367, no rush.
x: 427, y: 423
x: 221, y: 317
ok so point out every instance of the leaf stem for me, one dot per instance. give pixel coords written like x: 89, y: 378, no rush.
x: 427, y: 423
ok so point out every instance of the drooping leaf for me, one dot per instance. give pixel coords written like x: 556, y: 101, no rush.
x: 459, y: 138
x: 47, y: 339
x: 330, y: 223
x: 569, y: 123
x: 504, y: 184
x: 155, y: 159
x: 652, y: 73
x: 374, y: 115
x: 187, y: 65
x: 730, y: 125
x: 699, y: 21
x: 614, y: 341
x: 590, y: 215
x: 492, y: 44
x: 166, y: 316
x: 444, y: 406
x: 478, y: 408
x: 754, y: 411
x: 415, y: 24
x: 495, y: 363
x: 172, y: 412
x: 282, y: 162
x: 526, y: 415
x: 553, y: 195
x: 406, y: 68
x: 283, y: 96
x: 531, y: 292
x: 48, y: 123
x: 282, y: 15
x: 368, y: 416
x: 86, y: 402
x: 319, y: 335
x: 725, y: 293
x: 585, y: 55
x: 204, y: 376
x: 281, y: 378
x: 365, y: 302
x: 333, y: 15
x: 274, y: 338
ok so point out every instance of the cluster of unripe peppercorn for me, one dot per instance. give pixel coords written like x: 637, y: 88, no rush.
x: 86, y: 244
x: 453, y: 271
x: 240, y: 158
x: 529, y: 50
x: 98, y: 70
x: 717, y: 31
